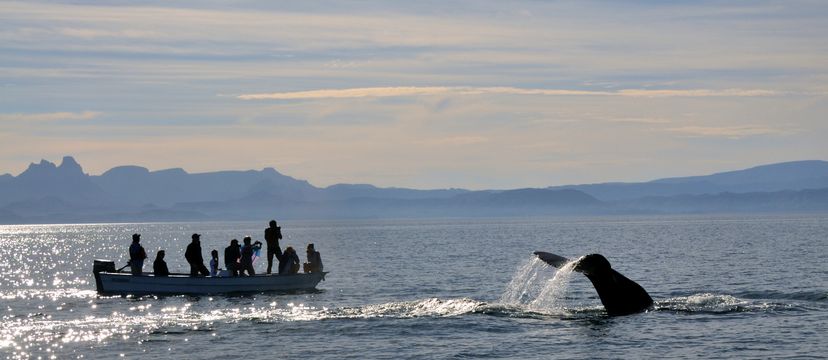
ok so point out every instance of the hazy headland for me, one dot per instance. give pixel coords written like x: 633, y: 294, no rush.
x: 56, y: 193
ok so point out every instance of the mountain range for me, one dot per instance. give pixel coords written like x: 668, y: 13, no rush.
x: 50, y: 193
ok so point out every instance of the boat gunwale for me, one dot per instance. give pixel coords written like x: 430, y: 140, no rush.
x: 208, y: 285
x: 188, y: 276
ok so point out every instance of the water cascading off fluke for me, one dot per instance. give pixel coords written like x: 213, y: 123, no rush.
x: 536, y: 288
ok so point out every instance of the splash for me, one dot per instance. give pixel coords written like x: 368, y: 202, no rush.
x: 525, y: 282
x: 533, y: 286
x: 552, y: 294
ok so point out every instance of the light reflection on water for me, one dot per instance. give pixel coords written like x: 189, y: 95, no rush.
x: 432, y: 289
x: 149, y: 322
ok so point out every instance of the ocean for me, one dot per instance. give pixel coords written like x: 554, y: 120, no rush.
x: 724, y: 287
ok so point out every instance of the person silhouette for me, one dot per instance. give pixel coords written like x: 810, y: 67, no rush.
x: 289, y: 262
x: 214, y: 263
x: 246, y: 262
x: 159, y: 266
x: 194, y: 258
x: 232, y: 254
x: 272, y: 236
x: 137, y: 254
x: 314, y: 263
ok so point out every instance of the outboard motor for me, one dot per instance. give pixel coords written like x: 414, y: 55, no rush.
x: 102, y: 266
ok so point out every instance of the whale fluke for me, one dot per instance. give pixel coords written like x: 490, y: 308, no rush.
x: 620, y: 295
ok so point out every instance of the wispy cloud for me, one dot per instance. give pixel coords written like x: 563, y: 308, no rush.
x: 350, y: 93
x: 54, y: 116
x: 641, y: 120
x: 730, y: 132
x: 439, y: 90
x: 87, y: 33
x: 698, y: 93
x: 455, y: 141
x: 356, y: 91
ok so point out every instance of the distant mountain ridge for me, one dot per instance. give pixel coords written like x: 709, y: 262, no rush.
x: 46, y: 192
x: 44, y: 179
x: 794, y: 175
x: 780, y: 173
x: 134, y: 184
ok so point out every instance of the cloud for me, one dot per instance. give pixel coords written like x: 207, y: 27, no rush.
x: 350, y: 93
x: 87, y: 33
x: 730, y: 132
x: 418, y: 90
x: 455, y: 141
x: 55, y: 116
x: 641, y: 120
x: 376, y: 92
x: 698, y: 93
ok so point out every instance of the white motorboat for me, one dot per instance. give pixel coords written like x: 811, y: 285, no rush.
x: 110, y: 281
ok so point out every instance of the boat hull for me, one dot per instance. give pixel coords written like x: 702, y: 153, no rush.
x: 125, y: 283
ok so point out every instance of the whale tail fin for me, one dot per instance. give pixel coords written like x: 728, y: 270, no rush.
x: 552, y: 259
x: 620, y: 295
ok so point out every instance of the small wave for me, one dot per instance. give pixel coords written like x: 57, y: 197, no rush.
x: 530, y: 312
x: 707, y: 303
x: 511, y: 311
x: 431, y: 307
x: 428, y: 307
x: 148, y: 322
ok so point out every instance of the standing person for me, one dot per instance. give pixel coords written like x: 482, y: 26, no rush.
x: 194, y: 258
x: 232, y: 254
x: 214, y: 267
x: 159, y: 266
x: 314, y: 263
x: 272, y: 236
x: 246, y: 262
x: 136, y: 255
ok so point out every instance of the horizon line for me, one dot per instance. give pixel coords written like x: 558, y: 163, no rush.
x: 395, y: 187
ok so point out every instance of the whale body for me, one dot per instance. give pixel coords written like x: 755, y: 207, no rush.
x: 620, y: 295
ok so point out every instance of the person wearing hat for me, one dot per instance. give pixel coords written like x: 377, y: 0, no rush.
x: 232, y: 254
x: 136, y: 255
x: 194, y: 258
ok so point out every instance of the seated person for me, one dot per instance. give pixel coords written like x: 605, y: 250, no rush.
x: 214, y: 263
x: 314, y: 263
x: 159, y: 266
x: 288, y: 262
x: 232, y: 254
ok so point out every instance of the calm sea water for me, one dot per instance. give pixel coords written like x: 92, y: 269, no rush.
x: 725, y: 287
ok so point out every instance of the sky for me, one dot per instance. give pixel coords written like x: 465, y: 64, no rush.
x: 417, y: 94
